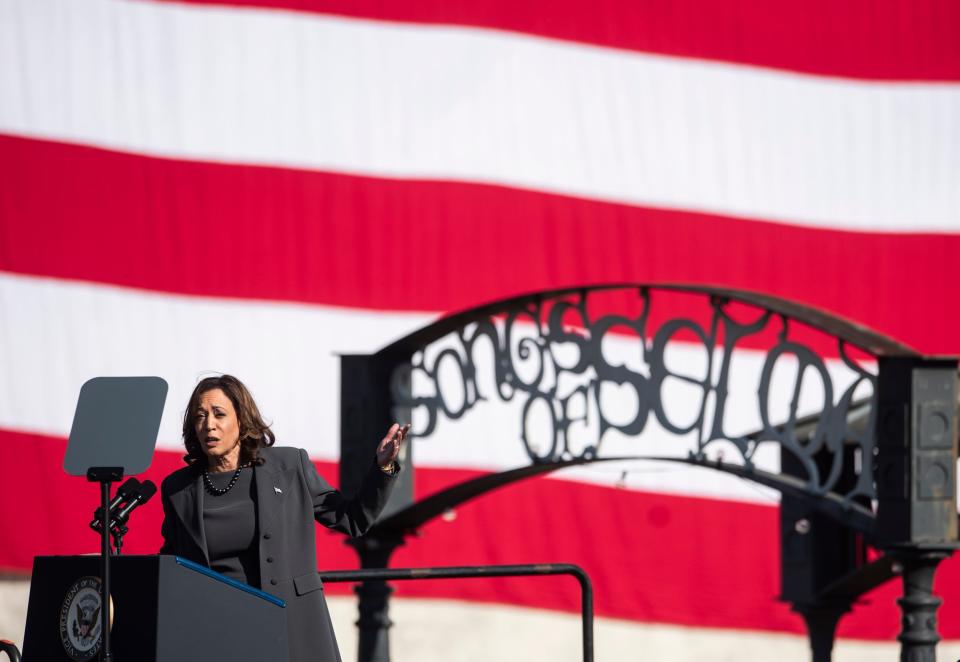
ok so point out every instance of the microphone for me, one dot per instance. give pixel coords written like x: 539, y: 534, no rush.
x: 124, y: 493
x: 144, y: 493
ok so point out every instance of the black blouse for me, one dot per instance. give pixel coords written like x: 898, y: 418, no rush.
x: 230, y: 525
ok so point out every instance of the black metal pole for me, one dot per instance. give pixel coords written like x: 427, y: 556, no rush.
x: 105, y: 653
x: 466, y: 572
x: 821, y: 620
x: 373, y: 596
x: 105, y: 476
x: 918, y: 636
x: 586, y: 611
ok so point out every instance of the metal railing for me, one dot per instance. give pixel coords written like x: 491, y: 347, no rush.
x: 466, y: 572
x: 10, y: 649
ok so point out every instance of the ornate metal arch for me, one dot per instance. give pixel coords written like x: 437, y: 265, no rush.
x: 876, y: 463
x: 566, y: 318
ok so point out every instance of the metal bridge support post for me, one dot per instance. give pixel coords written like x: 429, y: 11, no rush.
x: 918, y: 636
x: 821, y: 620
x: 367, y: 409
x: 373, y: 597
x: 916, y: 486
x: 820, y: 559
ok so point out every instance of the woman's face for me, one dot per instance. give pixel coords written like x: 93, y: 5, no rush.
x: 216, y: 425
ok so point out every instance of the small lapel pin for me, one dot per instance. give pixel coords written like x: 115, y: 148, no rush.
x: 277, y: 490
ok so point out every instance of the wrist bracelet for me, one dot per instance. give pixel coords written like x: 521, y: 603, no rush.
x: 390, y: 469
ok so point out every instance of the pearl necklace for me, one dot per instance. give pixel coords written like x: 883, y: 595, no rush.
x: 220, y: 491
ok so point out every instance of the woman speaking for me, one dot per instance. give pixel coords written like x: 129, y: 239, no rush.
x: 246, y: 509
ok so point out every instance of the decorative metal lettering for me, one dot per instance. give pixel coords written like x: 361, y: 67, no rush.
x: 539, y: 345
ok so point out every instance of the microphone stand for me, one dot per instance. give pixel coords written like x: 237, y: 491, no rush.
x: 118, y: 532
x: 105, y: 476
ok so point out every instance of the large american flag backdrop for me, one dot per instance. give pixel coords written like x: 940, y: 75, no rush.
x: 256, y: 186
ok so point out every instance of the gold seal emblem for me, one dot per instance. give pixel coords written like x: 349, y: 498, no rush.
x: 80, y: 619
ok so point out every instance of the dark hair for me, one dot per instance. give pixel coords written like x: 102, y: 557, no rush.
x: 254, y: 432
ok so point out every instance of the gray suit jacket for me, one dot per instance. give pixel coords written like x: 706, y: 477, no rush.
x: 290, y: 496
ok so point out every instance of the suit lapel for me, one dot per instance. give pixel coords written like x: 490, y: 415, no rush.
x: 188, y: 503
x: 267, y: 501
x: 273, y: 488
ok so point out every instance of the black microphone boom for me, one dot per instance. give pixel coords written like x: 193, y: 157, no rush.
x: 124, y: 493
x: 143, y: 494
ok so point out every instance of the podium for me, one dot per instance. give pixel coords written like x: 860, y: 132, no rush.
x: 165, y: 609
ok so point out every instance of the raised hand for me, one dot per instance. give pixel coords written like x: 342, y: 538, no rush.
x: 390, y: 445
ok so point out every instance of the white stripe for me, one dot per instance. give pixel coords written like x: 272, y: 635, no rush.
x: 308, y: 91
x: 57, y: 334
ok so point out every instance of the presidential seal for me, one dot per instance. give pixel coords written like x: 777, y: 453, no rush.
x: 80, y: 619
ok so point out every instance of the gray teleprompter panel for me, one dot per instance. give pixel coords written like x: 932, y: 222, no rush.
x: 116, y: 424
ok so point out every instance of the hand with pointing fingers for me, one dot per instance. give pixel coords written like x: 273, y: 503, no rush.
x: 390, y: 445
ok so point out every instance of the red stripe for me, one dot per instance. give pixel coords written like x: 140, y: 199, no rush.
x: 870, y: 39
x: 651, y: 557
x: 270, y: 233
